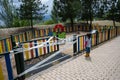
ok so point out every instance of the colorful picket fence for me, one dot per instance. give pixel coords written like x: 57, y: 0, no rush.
x: 93, y: 39
x: 76, y: 28
x: 96, y: 38
x: 81, y: 43
x: 1, y: 73
x: 7, y: 66
x: 48, y: 48
x: 19, y: 37
x: 5, y: 45
x: 118, y: 31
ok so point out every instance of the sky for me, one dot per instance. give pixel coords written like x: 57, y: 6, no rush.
x: 49, y: 3
x: 46, y: 2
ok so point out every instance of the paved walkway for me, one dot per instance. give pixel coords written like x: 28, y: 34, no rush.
x: 104, y: 64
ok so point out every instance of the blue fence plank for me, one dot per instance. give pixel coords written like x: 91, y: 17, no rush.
x: 9, y: 67
x: 78, y: 44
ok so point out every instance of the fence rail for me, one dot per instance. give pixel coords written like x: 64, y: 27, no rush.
x: 46, y: 49
x: 97, y: 38
x: 6, y: 45
x: 7, y: 64
x: 12, y: 65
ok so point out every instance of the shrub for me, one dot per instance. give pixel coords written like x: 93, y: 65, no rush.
x: 49, y: 22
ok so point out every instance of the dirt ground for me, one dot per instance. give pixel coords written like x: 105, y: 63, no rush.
x: 106, y: 22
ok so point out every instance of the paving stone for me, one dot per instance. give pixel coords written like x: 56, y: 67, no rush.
x: 103, y: 64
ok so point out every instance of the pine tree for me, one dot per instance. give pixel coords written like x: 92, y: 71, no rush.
x: 88, y: 10
x: 6, y: 12
x: 66, y: 9
x: 32, y: 10
x: 85, y: 10
x: 118, y: 11
x: 112, y: 12
x: 54, y: 12
x: 103, y: 7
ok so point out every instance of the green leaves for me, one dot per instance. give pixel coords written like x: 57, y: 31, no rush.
x: 32, y: 9
x: 6, y: 12
x: 60, y: 35
x: 64, y: 10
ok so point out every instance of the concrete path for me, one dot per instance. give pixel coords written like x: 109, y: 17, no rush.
x: 103, y: 64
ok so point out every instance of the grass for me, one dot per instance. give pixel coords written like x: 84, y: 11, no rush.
x: 99, y: 22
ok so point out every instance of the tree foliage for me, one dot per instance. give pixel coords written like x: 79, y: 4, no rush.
x: 54, y: 12
x: 66, y: 9
x: 6, y: 12
x: 112, y: 12
x: 9, y: 15
x: 109, y: 9
x: 89, y: 9
x: 118, y: 11
x: 102, y: 8
x: 32, y: 10
x: 48, y: 22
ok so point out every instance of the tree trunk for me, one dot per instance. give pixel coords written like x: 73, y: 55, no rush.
x: 91, y: 16
x: 32, y: 29
x: 31, y: 19
x: 87, y: 21
x: 113, y: 13
x: 31, y: 23
x: 90, y: 21
x: 114, y: 23
x: 71, y: 19
x: 90, y: 25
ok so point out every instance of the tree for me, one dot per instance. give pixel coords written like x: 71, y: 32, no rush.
x: 6, y: 12
x: 112, y: 12
x: 88, y: 11
x: 118, y: 11
x: 66, y: 9
x: 54, y: 12
x: 102, y: 8
x: 32, y: 10
x: 85, y: 10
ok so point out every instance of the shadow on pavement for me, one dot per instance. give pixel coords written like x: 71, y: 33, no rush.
x: 88, y: 59
x: 65, y: 57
